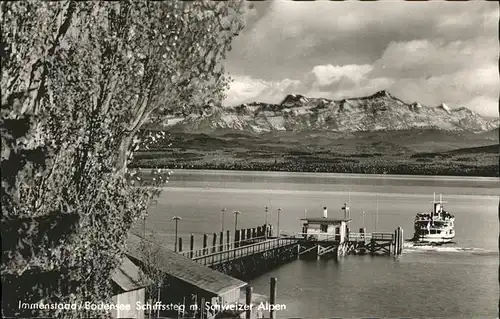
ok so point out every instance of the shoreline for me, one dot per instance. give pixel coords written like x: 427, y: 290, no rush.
x: 372, y: 171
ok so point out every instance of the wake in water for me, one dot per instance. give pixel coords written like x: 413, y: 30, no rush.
x: 451, y: 247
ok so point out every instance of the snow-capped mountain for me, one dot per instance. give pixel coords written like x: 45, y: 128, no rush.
x: 378, y: 112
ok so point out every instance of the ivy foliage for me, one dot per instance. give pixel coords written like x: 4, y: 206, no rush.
x: 79, y: 80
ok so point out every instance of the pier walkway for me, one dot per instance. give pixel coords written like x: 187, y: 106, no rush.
x: 250, y: 256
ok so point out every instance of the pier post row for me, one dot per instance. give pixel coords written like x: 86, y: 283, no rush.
x: 191, y: 246
x: 221, y: 241
x: 214, y: 243
x: 272, y: 297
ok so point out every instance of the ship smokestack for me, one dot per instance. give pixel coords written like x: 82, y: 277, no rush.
x: 437, y: 208
x: 325, y: 212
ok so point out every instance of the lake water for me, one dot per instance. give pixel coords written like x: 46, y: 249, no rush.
x: 457, y: 281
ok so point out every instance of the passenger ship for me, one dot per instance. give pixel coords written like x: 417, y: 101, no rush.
x: 436, y: 227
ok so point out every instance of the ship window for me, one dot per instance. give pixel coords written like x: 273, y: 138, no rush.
x: 324, y: 228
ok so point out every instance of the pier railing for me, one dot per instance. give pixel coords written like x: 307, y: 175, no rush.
x: 246, y: 250
x: 382, y: 236
x: 209, y: 250
x: 351, y: 237
x: 232, y: 250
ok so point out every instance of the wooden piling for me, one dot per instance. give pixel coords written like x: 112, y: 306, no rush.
x: 395, y: 251
x: 221, y: 241
x: 214, y: 243
x: 202, y: 312
x: 191, y: 246
x: 363, y: 232
x: 205, y: 244
x: 402, y: 240
x: 180, y: 244
x: 228, y: 239
x: 259, y: 231
x: 249, y: 233
x: 236, y: 238
x: 248, y: 301
x: 399, y: 241
x: 254, y: 232
x: 272, y: 297
x: 242, y: 235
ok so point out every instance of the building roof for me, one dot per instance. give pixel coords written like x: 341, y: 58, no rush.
x: 128, y: 276
x: 322, y: 220
x: 187, y: 270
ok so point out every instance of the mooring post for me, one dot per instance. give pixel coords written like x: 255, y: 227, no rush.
x: 402, y: 240
x: 272, y: 297
x: 214, y: 243
x: 395, y: 251
x: 205, y: 244
x: 372, y: 246
x: 399, y: 241
x: 191, y: 246
x: 248, y: 301
x: 362, y: 231
x: 221, y: 241
x: 242, y: 235
x: 236, y: 238
x: 180, y: 244
x: 202, y: 312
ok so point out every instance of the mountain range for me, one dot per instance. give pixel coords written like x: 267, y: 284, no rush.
x: 378, y: 112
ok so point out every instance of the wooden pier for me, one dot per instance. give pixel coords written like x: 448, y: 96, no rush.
x: 216, y: 265
x: 256, y: 251
x: 217, y: 273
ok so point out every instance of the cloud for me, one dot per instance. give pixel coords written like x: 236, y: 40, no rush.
x: 486, y: 106
x: 326, y: 81
x: 245, y: 89
x: 329, y: 74
x: 431, y: 52
x: 476, y: 88
x: 291, y: 37
x: 435, y: 57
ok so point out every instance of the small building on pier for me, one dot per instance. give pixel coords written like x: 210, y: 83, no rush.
x: 129, y: 289
x: 186, y: 282
x: 325, y: 228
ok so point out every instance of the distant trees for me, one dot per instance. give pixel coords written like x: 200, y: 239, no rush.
x: 79, y: 80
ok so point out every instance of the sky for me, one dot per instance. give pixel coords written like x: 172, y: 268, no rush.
x: 430, y: 52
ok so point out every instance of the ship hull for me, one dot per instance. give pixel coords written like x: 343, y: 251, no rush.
x: 433, y: 238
